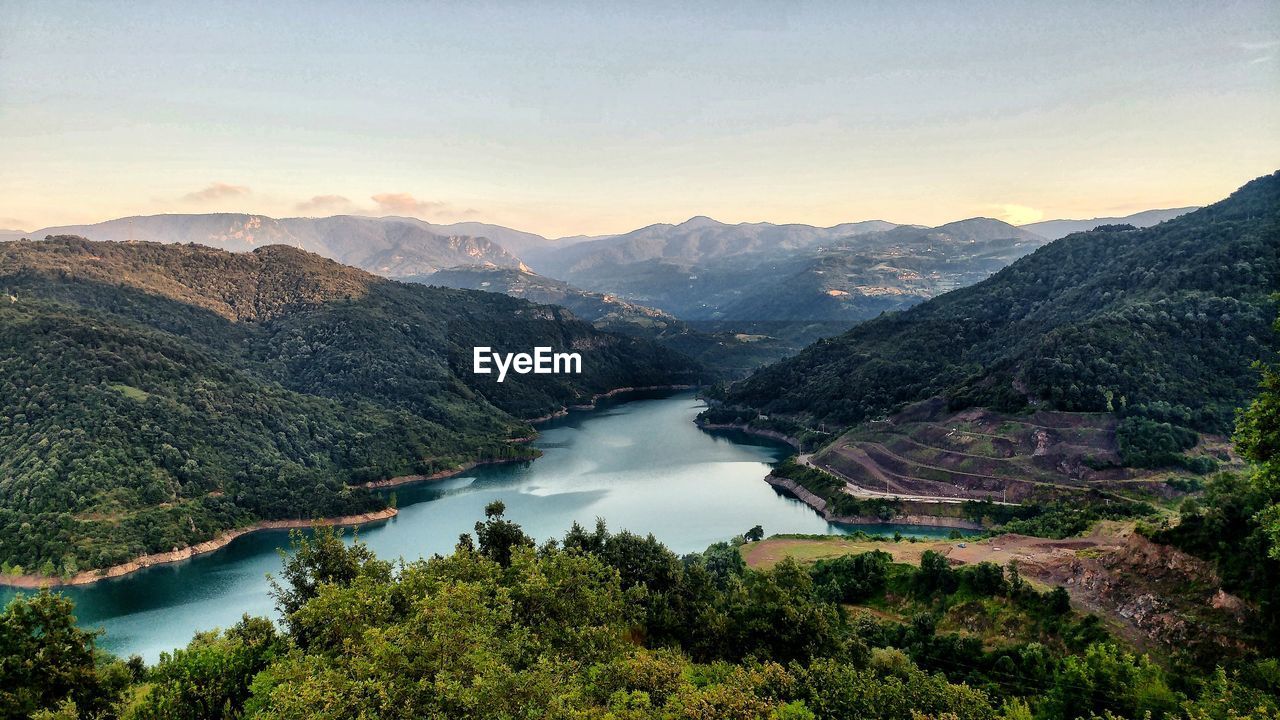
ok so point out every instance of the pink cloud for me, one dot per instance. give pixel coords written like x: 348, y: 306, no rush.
x: 325, y: 205
x: 405, y: 204
x: 216, y: 191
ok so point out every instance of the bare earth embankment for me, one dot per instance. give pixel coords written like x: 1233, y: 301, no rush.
x: 1152, y: 595
x: 926, y: 452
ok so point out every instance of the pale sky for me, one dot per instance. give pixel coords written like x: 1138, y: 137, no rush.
x: 566, y: 118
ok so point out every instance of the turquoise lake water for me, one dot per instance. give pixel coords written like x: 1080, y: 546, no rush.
x: 640, y: 464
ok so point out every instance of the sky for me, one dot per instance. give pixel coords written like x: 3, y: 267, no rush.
x: 594, y: 118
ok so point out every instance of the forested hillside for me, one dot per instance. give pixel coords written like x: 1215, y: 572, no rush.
x: 154, y: 395
x: 1161, y: 322
x: 616, y: 626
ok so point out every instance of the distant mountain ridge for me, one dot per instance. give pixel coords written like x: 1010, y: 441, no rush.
x: 1054, y: 229
x: 192, y: 390
x: 602, y: 309
x: 699, y: 239
x: 842, y: 279
x: 1163, y: 322
x: 386, y: 246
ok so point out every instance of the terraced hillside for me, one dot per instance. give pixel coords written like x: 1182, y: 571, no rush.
x: 926, y: 451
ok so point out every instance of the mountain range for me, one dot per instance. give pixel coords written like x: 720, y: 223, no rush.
x: 778, y: 286
x: 839, y: 280
x: 696, y: 240
x: 386, y: 246
x: 156, y: 395
x: 1054, y: 229
x: 1162, y: 322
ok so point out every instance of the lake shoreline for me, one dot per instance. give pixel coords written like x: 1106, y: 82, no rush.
x: 443, y: 474
x: 819, y: 506
x: 566, y: 409
x: 745, y: 428
x: 89, y: 577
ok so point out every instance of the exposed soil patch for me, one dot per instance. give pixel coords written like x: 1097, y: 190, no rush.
x: 980, y: 454
x: 1154, y: 596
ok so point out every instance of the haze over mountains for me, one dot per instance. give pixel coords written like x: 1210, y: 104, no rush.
x: 823, y: 276
x: 1054, y: 229
x: 398, y: 246
x: 698, y: 239
x: 778, y: 286
x: 386, y: 246
x: 1162, y: 322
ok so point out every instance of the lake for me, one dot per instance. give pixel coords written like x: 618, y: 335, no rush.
x: 641, y: 464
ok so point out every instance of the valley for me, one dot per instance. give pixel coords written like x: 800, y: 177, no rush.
x: 610, y: 361
x: 589, y: 464
x: 950, y: 461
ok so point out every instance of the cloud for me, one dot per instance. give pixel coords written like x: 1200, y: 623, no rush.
x: 216, y: 191
x: 405, y: 204
x: 324, y: 205
x: 1259, y: 45
x: 1019, y: 214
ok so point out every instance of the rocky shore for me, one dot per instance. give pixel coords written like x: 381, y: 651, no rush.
x: 743, y: 427
x: 820, y: 506
x: 442, y: 474
x: 601, y: 396
x: 177, y: 554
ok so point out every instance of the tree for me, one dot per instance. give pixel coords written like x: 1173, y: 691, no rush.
x: 497, y: 536
x: 936, y: 575
x: 852, y: 578
x: 724, y: 562
x: 1105, y: 679
x: 318, y: 560
x: 1059, y: 601
x: 211, y: 677
x: 987, y: 578
x: 1258, y: 439
x: 47, y: 662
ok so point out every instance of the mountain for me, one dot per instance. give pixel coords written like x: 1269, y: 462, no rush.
x: 697, y: 240
x: 1054, y: 229
x: 844, y: 281
x: 1162, y: 322
x: 155, y: 395
x: 860, y: 277
x: 386, y: 246
x: 517, y: 242
x: 603, y: 310
x: 724, y: 351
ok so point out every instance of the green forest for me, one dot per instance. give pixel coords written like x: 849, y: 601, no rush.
x: 615, y: 626
x: 1161, y: 323
x: 155, y: 395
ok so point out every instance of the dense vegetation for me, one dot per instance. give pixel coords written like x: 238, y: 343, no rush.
x: 1236, y: 522
x: 605, y: 625
x: 1147, y: 443
x: 153, y: 395
x: 1160, y: 323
